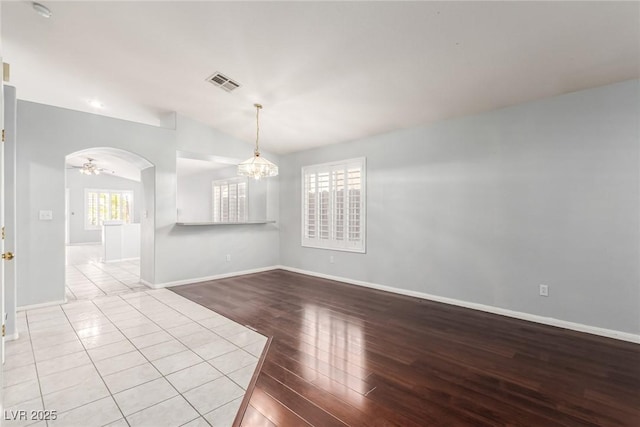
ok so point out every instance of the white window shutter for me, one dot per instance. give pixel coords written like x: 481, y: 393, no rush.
x: 229, y: 200
x: 106, y: 205
x: 333, y: 205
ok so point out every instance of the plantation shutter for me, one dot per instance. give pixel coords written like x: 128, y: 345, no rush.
x: 230, y: 200
x: 92, y: 209
x: 105, y: 205
x: 333, y: 206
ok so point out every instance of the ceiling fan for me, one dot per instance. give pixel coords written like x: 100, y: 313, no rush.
x: 90, y: 168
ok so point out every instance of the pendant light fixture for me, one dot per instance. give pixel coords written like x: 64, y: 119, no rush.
x: 257, y: 167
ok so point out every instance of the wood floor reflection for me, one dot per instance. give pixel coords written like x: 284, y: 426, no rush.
x: 346, y: 355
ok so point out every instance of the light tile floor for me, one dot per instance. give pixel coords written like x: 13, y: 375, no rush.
x: 149, y: 358
x: 87, y: 277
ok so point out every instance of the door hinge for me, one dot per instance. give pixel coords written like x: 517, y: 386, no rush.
x: 4, y: 330
x: 2, y: 135
x: 3, y: 234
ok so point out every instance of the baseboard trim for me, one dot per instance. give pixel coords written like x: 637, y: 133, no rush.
x: 122, y: 259
x: 147, y: 284
x: 41, y: 305
x: 12, y: 337
x: 579, y: 327
x: 207, y: 278
x: 84, y: 244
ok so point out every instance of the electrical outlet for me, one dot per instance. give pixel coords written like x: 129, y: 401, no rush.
x: 46, y: 215
x: 228, y: 257
x: 331, y: 260
x: 544, y: 290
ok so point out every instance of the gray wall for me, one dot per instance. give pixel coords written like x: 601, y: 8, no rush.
x: 481, y: 209
x: 195, y: 195
x: 47, y: 134
x: 201, y: 251
x: 77, y: 183
x: 485, y: 208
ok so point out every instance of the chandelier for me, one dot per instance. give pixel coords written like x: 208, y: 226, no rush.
x: 257, y: 167
x: 90, y: 168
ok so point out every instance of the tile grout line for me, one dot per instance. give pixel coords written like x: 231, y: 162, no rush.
x: 120, y: 281
x: 205, y: 360
x: 189, y: 348
x: 92, y: 282
x: 94, y: 367
x: 194, y: 320
x: 147, y: 359
x: 151, y: 362
x: 163, y: 329
x: 66, y: 286
x: 35, y: 365
x: 224, y: 338
x: 97, y: 265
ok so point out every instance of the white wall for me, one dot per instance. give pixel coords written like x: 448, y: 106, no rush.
x: 148, y: 225
x: 483, y: 209
x: 47, y: 134
x: 77, y: 183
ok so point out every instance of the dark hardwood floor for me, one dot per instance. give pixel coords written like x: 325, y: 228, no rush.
x: 346, y: 355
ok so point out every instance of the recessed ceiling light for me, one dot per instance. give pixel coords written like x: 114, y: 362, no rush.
x: 41, y: 9
x: 96, y: 104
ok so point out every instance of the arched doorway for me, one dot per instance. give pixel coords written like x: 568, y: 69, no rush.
x: 109, y: 222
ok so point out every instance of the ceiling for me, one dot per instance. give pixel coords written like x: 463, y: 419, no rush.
x: 185, y: 166
x: 115, y: 162
x: 326, y: 72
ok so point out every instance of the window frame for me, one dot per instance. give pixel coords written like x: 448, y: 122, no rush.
x: 233, y: 180
x: 90, y: 227
x: 332, y: 243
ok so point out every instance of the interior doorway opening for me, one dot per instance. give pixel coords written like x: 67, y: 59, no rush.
x: 109, y: 214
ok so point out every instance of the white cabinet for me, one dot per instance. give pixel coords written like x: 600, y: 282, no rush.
x: 120, y: 241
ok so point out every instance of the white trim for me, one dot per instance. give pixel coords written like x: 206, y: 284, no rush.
x: 147, y: 284
x: 12, y: 337
x: 207, y: 278
x: 84, y: 244
x: 594, y: 330
x: 121, y: 259
x: 41, y: 305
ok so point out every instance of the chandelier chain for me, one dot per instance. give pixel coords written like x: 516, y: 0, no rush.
x: 258, y: 107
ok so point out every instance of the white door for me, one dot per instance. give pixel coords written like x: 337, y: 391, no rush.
x: 2, y: 225
x: 7, y: 255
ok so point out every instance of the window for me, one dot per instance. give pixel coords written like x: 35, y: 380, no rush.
x: 106, y: 205
x: 333, y: 205
x: 230, y: 200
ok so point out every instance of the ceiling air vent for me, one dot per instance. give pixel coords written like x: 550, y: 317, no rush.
x: 223, y: 82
